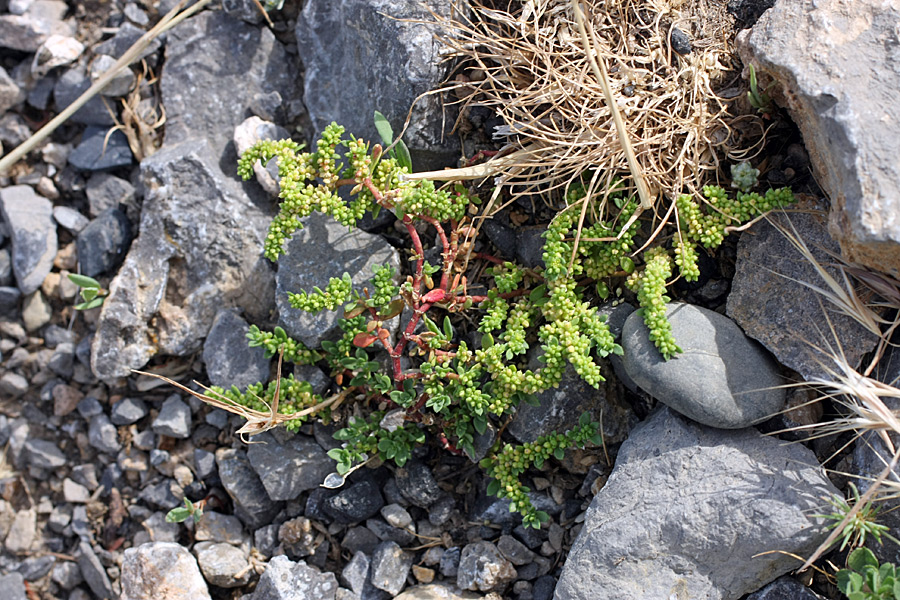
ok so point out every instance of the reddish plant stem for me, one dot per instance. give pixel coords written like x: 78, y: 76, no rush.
x: 488, y: 258
x: 447, y: 253
x: 448, y: 446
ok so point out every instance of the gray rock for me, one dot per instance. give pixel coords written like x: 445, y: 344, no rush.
x: 22, y: 532
x: 842, y: 111
x: 355, y: 503
x: 14, y: 585
x: 360, y: 539
x: 252, y: 504
x: 721, y: 379
x: 162, y: 495
x: 13, y: 385
x: 216, y: 527
x: 63, y: 360
x: 102, y: 434
x: 749, y: 11
x: 515, y: 551
x: 89, y: 407
x: 124, y: 38
x: 102, y: 245
x: 222, y: 565
x: 780, y: 312
x: 321, y: 250
x: 65, y: 574
x: 161, y: 570
x: 265, y: 540
x: 341, y: 41
x: 10, y: 93
x: 231, y: 62
x: 229, y: 360
x: 287, y: 469
x: 43, y: 454
x: 387, y: 533
x: 174, y: 418
x: 13, y: 131
x: 121, y: 83
x: 530, y: 246
x: 253, y: 130
x: 287, y: 580
x: 718, y: 500
x: 396, y: 516
x: 417, y: 484
x: 544, y: 587
x: 176, y: 273
x: 70, y: 218
x: 159, y: 529
x: 98, y: 151
x: 6, y: 273
x: 36, y: 567
x: 69, y: 87
x: 449, y: 563
x: 93, y: 572
x: 784, y: 588
x: 356, y: 574
x: 29, y: 222
x: 134, y: 14
x: 560, y: 408
x: 389, y: 568
x: 105, y: 191
x: 36, y: 311
x: 75, y: 493
x: 128, y: 411
x: 483, y: 568
x: 26, y: 32
x: 437, y: 591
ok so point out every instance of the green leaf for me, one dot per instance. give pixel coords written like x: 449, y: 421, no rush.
x: 537, y: 294
x: 602, y: 290
x: 480, y: 423
x: 383, y: 126
x: 178, y: 515
x: 84, y: 281
x: 584, y: 419
x: 559, y: 453
x: 493, y: 487
x: 89, y: 293
x: 401, y: 153
x: 448, y: 328
x: 92, y: 304
x: 860, y: 558
x: 487, y: 340
x: 627, y: 264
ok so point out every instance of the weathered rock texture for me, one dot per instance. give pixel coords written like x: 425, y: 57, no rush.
x: 689, y: 509
x: 837, y: 63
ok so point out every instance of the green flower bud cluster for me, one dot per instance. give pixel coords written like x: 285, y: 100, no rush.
x: 385, y: 289
x: 421, y: 198
x: 687, y: 260
x: 497, y: 309
x: 272, y: 343
x: 507, y: 277
x: 743, y: 176
x: 335, y: 352
x: 293, y: 396
x: 650, y: 286
x: 602, y: 259
x: 336, y: 293
x: 506, y: 466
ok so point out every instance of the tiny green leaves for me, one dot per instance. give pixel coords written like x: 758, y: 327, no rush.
x: 92, y: 292
x: 183, y: 513
x: 399, y: 152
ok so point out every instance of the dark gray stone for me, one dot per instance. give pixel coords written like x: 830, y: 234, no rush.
x: 252, y: 504
x: 515, y: 551
x: 290, y: 468
x: 560, y: 408
x: 93, y: 572
x: 388, y: 533
x: 97, y: 151
x: 14, y: 585
x: 245, y: 10
x: 125, y: 37
x: 721, y: 379
x: 356, y: 574
x: 483, y: 568
x: 449, y: 564
x: 749, y: 11
x: 102, y: 245
x: 128, y: 411
x: 287, y: 580
x: 9, y: 300
x: 204, y: 463
x: 340, y: 41
x: 65, y: 574
x: 69, y: 87
x: 161, y: 570
x: 10, y: 93
x: 29, y: 222
x: 229, y: 360
x: 121, y: 83
x: 719, y: 500
x: 105, y: 191
x: 26, y: 32
x: 530, y: 246
x: 772, y: 306
x: 174, y: 418
x: 62, y: 362
x: 89, y: 407
x: 785, y: 588
x: 355, y: 503
x: 544, y: 587
x: 43, y: 454
x: 389, y: 568
x: 680, y: 41
x: 35, y: 567
x: 162, y: 495
x: 232, y: 62
x: 177, y: 273
x: 321, y: 250
x: 843, y: 112
x: 417, y: 484
x: 360, y: 539
x: 102, y: 434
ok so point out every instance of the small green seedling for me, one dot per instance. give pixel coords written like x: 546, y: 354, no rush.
x: 861, y: 525
x: 92, y: 292
x: 865, y: 579
x: 759, y: 100
x: 189, y: 510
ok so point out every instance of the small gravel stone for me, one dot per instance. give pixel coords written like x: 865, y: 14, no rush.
x: 102, y: 245
x: 75, y: 492
x: 287, y: 580
x: 390, y: 566
x: 356, y: 573
x: 97, y: 152
x: 544, y: 587
x: 252, y: 504
x: 102, y: 434
x: 360, y: 539
x: 30, y: 223
x: 159, y: 530
x: 396, y: 516
x: 483, y: 568
x: 35, y: 567
x: 355, y: 503
x: 128, y: 411
x: 222, y: 563
x: 66, y: 575
x: 161, y: 570
x: 174, y: 419
x: 14, y: 585
x: 216, y: 527
x: 59, y: 518
x: 417, y: 484
x: 105, y: 191
x: 204, y: 463
x: 681, y: 42
x: 440, y: 512
x: 89, y: 408
x: 514, y: 550
x: 70, y: 218
x: 43, y: 454
x: 162, y: 495
x: 63, y: 360
x: 121, y: 83
x: 450, y: 562
x: 93, y: 572
x: 36, y: 311
x: 423, y: 574
x: 287, y: 469
x: 13, y: 385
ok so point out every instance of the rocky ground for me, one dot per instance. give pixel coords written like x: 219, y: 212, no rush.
x: 680, y: 502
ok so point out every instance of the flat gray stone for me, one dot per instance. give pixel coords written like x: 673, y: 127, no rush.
x: 838, y: 80
x: 43, y: 454
x: 93, y: 572
x: 174, y: 418
x: 389, y: 567
x: 483, y: 568
x: 229, y: 360
x: 102, y: 245
x: 287, y: 580
x: 252, y: 504
x: 26, y: 32
x: 222, y: 565
x: 102, y: 434
x: 722, y: 378
x: 321, y: 250
x: 771, y: 305
x: 690, y: 509
x: 29, y: 222
x: 98, y: 150
x: 161, y: 570
x: 216, y: 527
x: 290, y: 468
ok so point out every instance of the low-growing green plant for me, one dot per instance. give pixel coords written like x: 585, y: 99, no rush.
x: 190, y: 510
x: 759, y: 99
x: 455, y: 388
x: 92, y: 292
x: 865, y: 579
x: 861, y: 525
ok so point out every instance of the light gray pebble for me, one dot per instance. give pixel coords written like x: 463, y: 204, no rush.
x: 396, y: 516
x: 102, y: 435
x: 174, y: 419
x: 89, y: 407
x: 66, y: 575
x: 75, y: 492
x: 222, y: 563
x: 13, y: 385
x: 70, y: 218
x: 390, y: 566
x: 128, y: 411
x: 145, y: 440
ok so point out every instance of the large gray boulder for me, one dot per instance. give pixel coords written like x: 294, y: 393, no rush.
x: 772, y: 305
x: 693, y: 512
x: 367, y: 55
x: 836, y: 65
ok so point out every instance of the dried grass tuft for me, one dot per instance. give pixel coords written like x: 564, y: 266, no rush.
x: 529, y: 66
